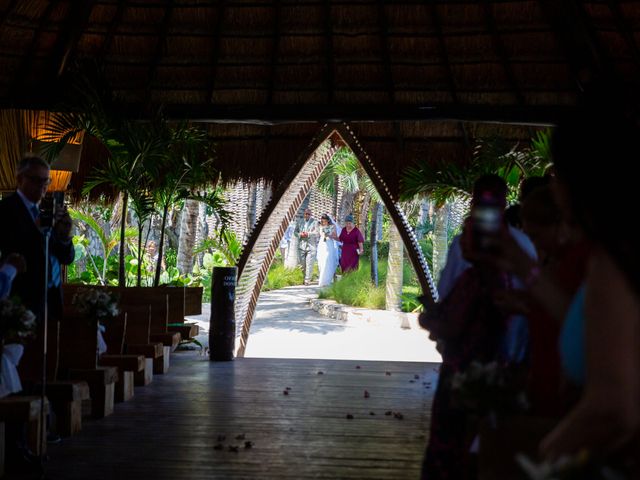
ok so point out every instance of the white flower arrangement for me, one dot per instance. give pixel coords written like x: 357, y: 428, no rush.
x: 489, y: 387
x: 96, y: 304
x: 16, y: 322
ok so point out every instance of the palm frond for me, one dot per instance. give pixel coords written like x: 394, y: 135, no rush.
x: 91, y: 222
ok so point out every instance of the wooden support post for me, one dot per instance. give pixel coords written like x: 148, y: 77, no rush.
x: 161, y: 364
x: 128, y: 366
x: 124, y: 387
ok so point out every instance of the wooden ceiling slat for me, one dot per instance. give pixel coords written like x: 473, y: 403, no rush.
x: 113, y: 26
x: 329, y: 50
x: 275, y: 49
x: 7, y: 11
x: 215, y: 58
x: 624, y: 29
x: 27, y: 59
x: 499, y: 48
x: 160, y: 45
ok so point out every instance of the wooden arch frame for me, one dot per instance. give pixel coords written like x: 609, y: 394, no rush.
x: 260, y: 249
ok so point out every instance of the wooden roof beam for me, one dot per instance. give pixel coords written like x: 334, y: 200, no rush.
x: 69, y: 36
x: 282, y: 114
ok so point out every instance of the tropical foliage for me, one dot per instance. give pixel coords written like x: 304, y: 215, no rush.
x: 153, y: 164
x: 443, y: 181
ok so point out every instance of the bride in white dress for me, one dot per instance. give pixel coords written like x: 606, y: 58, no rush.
x: 327, y: 250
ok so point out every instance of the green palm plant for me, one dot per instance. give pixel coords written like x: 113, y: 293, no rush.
x: 133, y: 147
x: 184, y: 173
x: 443, y: 181
x: 108, y: 243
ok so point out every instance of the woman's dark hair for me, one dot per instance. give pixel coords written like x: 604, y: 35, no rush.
x: 593, y: 152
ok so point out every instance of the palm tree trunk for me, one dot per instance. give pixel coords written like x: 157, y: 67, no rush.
x: 188, y: 231
x: 423, y: 218
x: 373, y: 239
x: 252, y: 207
x: 123, y: 224
x: 394, y: 270
x: 440, y: 239
x: 346, y: 205
x: 165, y: 212
x: 364, y: 210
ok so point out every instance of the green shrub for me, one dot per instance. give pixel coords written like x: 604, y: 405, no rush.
x: 355, y: 288
x: 280, y: 277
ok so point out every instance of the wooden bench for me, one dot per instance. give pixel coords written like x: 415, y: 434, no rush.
x: 66, y: 399
x: 101, y: 381
x: 137, y: 342
x: 187, y: 331
x: 23, y: 410
x: 128, y: 365
x: 78, y: 361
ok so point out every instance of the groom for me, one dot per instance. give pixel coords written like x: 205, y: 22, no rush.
x: 308, y: 234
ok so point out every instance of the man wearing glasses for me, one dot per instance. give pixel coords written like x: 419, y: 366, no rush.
x: 21, y: 234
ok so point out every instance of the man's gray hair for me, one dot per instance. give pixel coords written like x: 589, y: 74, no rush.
x: 28, y: 162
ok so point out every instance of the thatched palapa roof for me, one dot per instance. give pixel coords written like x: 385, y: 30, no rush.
x: 415, y: 78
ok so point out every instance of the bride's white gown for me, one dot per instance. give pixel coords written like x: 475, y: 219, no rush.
x: 327, y: 259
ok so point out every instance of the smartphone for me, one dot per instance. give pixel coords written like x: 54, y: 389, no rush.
x: 48, y: 206
x: 487, y: 221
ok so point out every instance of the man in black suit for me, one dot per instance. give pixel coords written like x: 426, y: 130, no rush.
x: 21, y: 234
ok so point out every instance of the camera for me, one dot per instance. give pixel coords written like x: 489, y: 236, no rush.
x: 48, y: 207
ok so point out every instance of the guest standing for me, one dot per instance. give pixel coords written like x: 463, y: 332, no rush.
x: 352, y: 245
x: 21, y: 234
x: 308, y: 233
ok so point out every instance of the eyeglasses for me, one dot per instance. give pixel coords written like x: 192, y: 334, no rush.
x: 39, y: 180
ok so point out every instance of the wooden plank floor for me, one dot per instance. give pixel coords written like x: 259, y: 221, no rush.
x: 170, y: 430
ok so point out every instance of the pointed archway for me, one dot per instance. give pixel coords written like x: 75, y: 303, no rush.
x: 260, y: 249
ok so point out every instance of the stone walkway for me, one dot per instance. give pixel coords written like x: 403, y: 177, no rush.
x: 286, y: 326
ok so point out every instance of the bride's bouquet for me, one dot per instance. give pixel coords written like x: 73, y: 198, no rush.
x: 96, y: 304
x: 326, y: 233
x: 17, y: 323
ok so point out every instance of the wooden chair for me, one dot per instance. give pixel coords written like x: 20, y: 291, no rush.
x: 137, y: 342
